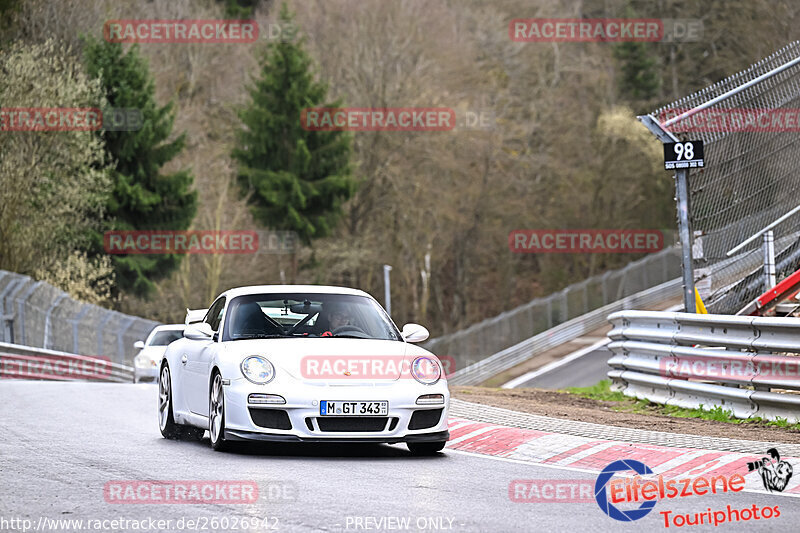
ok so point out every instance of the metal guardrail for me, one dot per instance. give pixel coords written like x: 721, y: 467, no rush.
x: 25, y: 362
x: 514, y: 326
x: 34, y: 313
x: 510, y: 357
x: 708, y: 361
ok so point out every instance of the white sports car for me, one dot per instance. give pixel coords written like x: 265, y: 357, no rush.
x: 302, y: 364
x: 151, y: 350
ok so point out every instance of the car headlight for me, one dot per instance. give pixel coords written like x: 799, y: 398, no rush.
x: 257, y: 369
x: 141, y: 362
x: 426, y: 370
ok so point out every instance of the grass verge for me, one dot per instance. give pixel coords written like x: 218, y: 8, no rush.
x: 621, y: 403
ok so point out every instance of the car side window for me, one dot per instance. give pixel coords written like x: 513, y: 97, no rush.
x: 214, y: 315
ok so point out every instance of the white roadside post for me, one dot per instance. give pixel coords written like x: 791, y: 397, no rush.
x: 769, y: 260
x: 387, y: 291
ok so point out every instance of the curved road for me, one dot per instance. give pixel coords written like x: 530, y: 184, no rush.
x: 584, y: 371
x: 62, y: 443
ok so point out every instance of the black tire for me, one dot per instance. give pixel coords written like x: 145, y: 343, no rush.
x: 426, y: 448
x: 166, y: 419
x: 216, y: 414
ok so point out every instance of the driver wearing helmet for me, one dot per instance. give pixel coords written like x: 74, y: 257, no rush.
x: 338, y: 317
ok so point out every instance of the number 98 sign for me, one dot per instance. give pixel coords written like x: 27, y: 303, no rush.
x: 687, y: 154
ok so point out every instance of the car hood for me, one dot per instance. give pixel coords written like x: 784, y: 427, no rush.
x: 325, y: 361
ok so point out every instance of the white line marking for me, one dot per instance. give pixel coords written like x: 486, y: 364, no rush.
x: 474, y: 434
x: 555, y: 364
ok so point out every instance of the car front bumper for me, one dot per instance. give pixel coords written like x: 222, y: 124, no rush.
x: 146, y: 373
x: 302, y: 413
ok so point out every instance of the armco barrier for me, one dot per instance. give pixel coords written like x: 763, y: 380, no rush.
x: 518, y: 325
x: 484, y: 369
x: 24, y: 362
x: 34, y: 313
x: 748, y: 365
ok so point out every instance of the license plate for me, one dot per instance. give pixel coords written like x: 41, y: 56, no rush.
x: 343, y: 408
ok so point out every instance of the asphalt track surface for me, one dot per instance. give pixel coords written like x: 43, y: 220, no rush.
x: 62, y: 443
x: 582, y: 372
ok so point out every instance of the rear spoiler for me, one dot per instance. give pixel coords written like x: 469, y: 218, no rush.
x: 195, y: 315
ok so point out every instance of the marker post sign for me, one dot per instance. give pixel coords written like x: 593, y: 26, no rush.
x: 680, y: 155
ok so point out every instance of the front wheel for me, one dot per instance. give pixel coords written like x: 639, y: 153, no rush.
x: 216, y: 415
x: 426, y: 448
x: 166, y: 420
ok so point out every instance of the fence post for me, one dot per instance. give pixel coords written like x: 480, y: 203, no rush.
x: 8, y: 316
x: 100, y: 326
x: 21, y: 306
x: 75, y: 322
x: 685, y: 230
x: 684, y: 224
x: 121, y: 343
x: 48, y: 317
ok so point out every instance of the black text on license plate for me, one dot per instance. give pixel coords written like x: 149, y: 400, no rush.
x: 344, y: 408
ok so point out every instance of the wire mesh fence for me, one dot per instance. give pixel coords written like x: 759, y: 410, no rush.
x: 751, y: 176
x: 35, y: 313
x: 493, y: 335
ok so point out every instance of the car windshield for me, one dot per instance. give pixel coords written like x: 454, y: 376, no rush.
x: 307, y: 315
x: 164, y: 337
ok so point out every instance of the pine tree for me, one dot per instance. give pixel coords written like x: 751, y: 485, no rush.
x: 143, y: 198
x: 239, y: 9
x: 295, y: 179
x: 639, y: 79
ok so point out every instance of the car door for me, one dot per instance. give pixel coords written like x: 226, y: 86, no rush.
x: 198, y: 362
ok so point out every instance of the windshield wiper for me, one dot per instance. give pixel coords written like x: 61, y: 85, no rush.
x: 263, y: 336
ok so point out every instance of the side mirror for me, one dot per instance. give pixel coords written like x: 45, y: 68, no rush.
x: 138, y: 345
x: 200, y: 331
x: 414, y: 333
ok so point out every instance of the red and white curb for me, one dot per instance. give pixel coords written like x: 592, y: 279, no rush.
x: 592, y: 455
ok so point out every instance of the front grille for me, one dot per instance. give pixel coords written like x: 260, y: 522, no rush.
x: 270, y: 418
x: 425, y: 419
x: 352, y: 423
